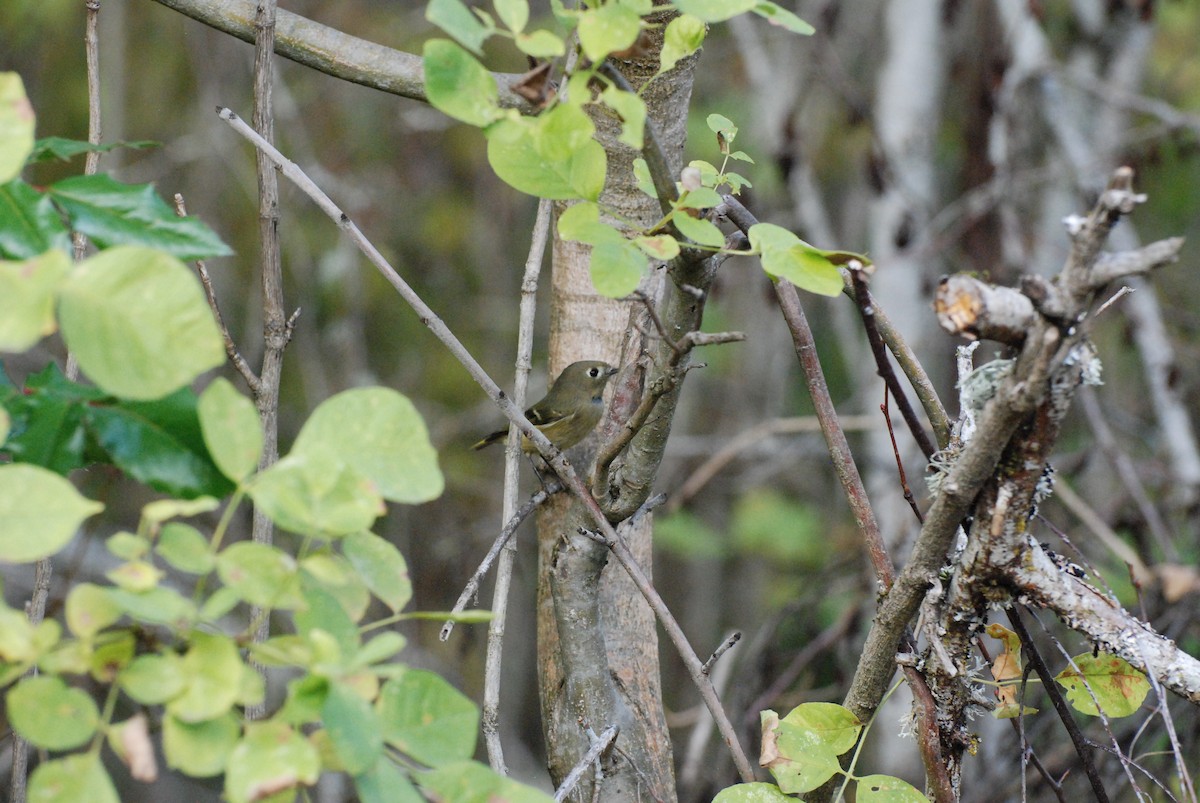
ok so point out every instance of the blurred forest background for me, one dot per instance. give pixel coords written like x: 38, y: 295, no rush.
x: 984, y: 128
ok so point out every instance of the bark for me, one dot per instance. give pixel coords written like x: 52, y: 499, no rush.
x: 597, y: 643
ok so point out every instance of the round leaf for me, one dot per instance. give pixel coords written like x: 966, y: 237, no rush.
x: 260, y: 574
x: 457, y: 84
x: 427, y: 718
x: 683, y: 37
x: 270, y: 758
x: 71, y: 779
x: 39, y: 512
x: 381, y: 567
x: 90, y: 609
x: 184, y: 548
x: 16, y: 126
x: 27, y: 298
x: 752, y: 793
x: 379, y: 433
x: 232, y: 429
x: 51, y: 714
x: 138, y: 323
x: 607, y: 29
x: 153, y: 679
x: 212, y: 669
x: 886, y: 789
x: 617, y: 268
x: 200, y: 749
x: 314, y: 496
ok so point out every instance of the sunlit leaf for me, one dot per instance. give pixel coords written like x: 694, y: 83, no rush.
x: 50, y: 714
x: 1118, y: 687
x: 39, y: 512
x: 453, y: 17
x: 27, y: 291
x: 16, y: 126
x: 683, y: 37
x: 232, y: 429
x: 608, y: 29
x: 71, y: 779
x: 777, y: 15
x: 459, y: 85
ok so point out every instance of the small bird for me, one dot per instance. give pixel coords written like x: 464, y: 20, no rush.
x: 571, y: 409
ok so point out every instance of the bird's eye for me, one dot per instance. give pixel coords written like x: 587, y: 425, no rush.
x: 593, y: 372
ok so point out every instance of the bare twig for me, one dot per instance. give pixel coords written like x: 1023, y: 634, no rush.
x: 512, y: 479
x: 599, y: 745
x: 231, y: 349
x: 1083, y: 747
x: 908, y: 494
x: 553, y: 456
x: 510, y: 527
x: 866, y: 308
x: 726, y: 645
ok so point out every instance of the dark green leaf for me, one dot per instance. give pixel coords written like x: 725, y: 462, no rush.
x: 353, y: 727
x: 29, y: 223
x: 63, y: 149
x: 159, y: 443
x: 111, y: 213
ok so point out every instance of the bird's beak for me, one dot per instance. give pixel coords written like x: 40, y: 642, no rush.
x: 611, y: 371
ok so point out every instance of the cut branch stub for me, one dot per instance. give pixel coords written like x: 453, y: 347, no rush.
x: 980, y: 311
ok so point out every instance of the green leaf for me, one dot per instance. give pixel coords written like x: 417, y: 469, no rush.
x: 836, y: 726
x: 699, y: 231
x: 550, y: 156
x: 683, y: 37
x: 272, y: 757
x: 720, y: 124
x: 714, y: 10
x: 138, y: 323
x: 212, y: 669
x: 741, y: 156
x: 184, y: 548
x: 136, y: 576
x: 752, y: 793
x: 786, y: 256
x: 427, y: 718
x: 783, y: 18
x: 662, y: 247
x: 703, y: 198
x: 379, y: 649
x: 47, y: 149
x: 232, y: 429
x: 608, y: 29
x: 353, y: 727
x: 90, y: 609
x: 47, y: 421
x: 641, y: 174
x: 385, y: 783
x: 471, y: 781
x: 126, y: 545
x: 1119, y: 688
x: 112, y: 213
x: 335, y: 574
x: 29, y: 223
x: 632, y: 111
x: 156, y: 512
x: 886, y: 789
x: 16, y: 637
x: 160, y: 605
x: 154, y: 678
x: 159, y: 444
x: 51, y: 714
x: 72, y: 779
x: 453, y: 17
x: 324, y: 616
x: 260, y: 574
x: 617, y: 268
x: 513, y: 13
x: 379, y: 433
x: 581, y: 223
x: 313, y: 497
x: 799, y: 763
x: 381, y: 567
x: 541, y: 44
x: 39, y: 513
x: 200, y: 749
x: 27, y: 299
x: 17, y: 123
x: 458, y: 85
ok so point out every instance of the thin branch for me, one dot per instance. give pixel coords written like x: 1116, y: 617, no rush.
x: 835, y: 437
x: 330, y: 51
x: 866, y: 308
x: 908, y: 494
x: 471, y: 589
x: 1083, y: 747
x: 599, y: 745
x: 725, y: 647
x: 231, y: 350
x: 553, y: 456
x: 512, y: 480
